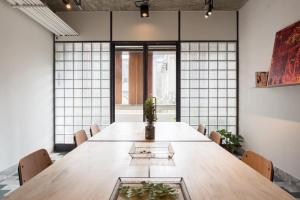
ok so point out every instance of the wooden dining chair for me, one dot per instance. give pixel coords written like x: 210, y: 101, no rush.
x: 32, y: 164
x: 259, y: 163
x: 216, y: 137
x: 202, y: 129
x: 94, y: 129
x: 80, y: 137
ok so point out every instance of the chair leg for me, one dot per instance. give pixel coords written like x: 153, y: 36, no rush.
x: 20, y: 176
x: 272, y: 173
x: 91, y: 132
x: 75, y: 141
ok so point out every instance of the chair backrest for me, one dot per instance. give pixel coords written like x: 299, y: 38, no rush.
x: 32, y: 164
x: 80, y: 137
x: 259, y: 163
x: 94, y: 129
x: 202, y: 129
x: 216, y: 137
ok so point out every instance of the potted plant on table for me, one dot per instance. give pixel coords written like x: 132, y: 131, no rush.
x: 231, y: 142
x: 150, y: 115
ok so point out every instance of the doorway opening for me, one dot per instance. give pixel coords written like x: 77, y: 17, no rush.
x: 141, y: 71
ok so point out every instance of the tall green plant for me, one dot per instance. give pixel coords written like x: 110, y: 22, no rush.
x: 150, y: 109
x: 230, y: 141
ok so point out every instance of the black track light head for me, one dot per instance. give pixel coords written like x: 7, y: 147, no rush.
x: 67, y: 4
x: 144, y: 10
x: 143, y: 5
x: 210, y: 8
x: 209, y: 5
x: 206, y: 15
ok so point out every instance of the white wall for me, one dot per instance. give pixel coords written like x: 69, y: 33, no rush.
x: 160, y: 26
x: 129, y: 26
x: 26, y: 95
x: 221, y: 25
x: 269, y: 118
x: 92, y: 26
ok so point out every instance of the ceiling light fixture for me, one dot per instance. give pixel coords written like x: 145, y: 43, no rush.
x: 144, y: 8
x: 206, y: 15
x: 209, y: 6
x: 68, y: 4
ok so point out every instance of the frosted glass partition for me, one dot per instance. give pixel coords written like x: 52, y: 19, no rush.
x: 82, y: 88
x: 209, y: 84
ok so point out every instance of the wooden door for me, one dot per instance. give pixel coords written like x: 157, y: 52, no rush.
x: 118, y: 77
x: 135, y: 78
x: 150, y: 75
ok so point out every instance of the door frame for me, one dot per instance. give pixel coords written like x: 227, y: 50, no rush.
x: 145, y: 45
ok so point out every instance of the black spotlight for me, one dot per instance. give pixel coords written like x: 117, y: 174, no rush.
x: 206, y: 15
x: 143, y: 5
x: 209, y: 6
x: 67, y: 4
x: 144, y: 10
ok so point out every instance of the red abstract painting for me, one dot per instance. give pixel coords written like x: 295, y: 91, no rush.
x: 285, y: 67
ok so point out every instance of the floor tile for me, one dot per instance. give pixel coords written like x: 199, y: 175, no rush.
x: 3, y: 192
x: 277, y: 179
x: 296, y: 194
x: 10, y: 187
x: 2, y: 177
x: 289, y: 187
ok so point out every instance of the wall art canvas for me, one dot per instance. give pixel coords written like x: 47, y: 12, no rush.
x: 285, y: 67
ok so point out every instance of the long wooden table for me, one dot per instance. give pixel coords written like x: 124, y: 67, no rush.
x: 87, y: 173
x: 164, y: 131
x: 210, y: 172
x: 92, y: 169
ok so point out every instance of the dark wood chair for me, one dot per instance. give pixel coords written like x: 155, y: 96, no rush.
x: 94, y: 129
x: 80, y: 137
x: 259, y: 163
x: 216, y: 137
x: 33, y: 164
x: 202, y: 129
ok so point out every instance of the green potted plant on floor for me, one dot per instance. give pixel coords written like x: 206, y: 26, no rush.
x: 231, y: 142
x: 150, y: 115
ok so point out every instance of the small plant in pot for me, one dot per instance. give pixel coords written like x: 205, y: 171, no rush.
x: 231, y: 142
x: 150, y: 115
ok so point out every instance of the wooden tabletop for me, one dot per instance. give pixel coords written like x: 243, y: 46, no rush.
x: 91, y: 171
x: 164, y: 131
x: 210, y: 172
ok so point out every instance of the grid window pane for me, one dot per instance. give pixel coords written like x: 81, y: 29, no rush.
x: 81, y: 88
x: 209, y: 84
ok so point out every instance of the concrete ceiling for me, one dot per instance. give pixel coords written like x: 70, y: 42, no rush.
x: 161, y: 5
